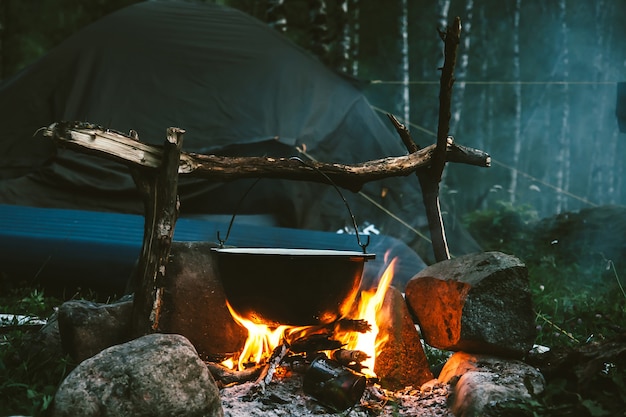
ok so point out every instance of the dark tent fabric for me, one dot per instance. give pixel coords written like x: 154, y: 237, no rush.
x: 234, y: 84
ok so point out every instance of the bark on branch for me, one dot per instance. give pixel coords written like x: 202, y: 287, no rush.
x: 158, y: 189
x: 85, y: 137
x: 430, y: 177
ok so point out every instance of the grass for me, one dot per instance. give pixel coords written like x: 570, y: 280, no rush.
x: 29, y: 375
x: 28, y: 378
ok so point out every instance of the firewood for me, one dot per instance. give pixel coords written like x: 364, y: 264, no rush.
x: 267, y: 373
x: 228, y: 376
x: 353, y: 325
x: 314, y: 343
x: 347, y: 357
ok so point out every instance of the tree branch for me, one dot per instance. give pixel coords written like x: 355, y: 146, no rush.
x: 85, y: 137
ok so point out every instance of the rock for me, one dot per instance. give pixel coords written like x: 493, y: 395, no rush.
x: 45, y: 343
x: 155, y: 375
x: 401, y: 362
x: 475, y: 303
x: 485, y: 385
x: 86, y: 327
x: 194, y: 303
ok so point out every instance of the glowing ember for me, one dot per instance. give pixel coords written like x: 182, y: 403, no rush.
x: 262, y: 339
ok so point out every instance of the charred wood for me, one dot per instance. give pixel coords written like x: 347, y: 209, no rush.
x: 228, y: 376
x: 346, y: 357
x: 314, y: 343
x: 267, y: 373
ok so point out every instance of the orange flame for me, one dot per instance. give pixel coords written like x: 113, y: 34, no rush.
x: 263, y: 339
x: 370, y: 304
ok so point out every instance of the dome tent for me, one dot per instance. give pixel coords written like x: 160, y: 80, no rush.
x: 238, y: 88
x: 234, y: 84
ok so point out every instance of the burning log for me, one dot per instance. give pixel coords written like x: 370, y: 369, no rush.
x: 352, y: 359
x: 314, y: 343
x: 229, y: 376
x: 353, y: 325
x: 270, y: 367
x: 349, y: 357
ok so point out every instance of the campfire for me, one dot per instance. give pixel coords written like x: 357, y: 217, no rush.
x: 335, y: 359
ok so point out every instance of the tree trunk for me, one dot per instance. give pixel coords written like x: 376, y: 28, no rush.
x: 430, y: 178
x: 563, y: 156
x: 353, y: 28
x: 517, y: 97
x: 459, y: 92
x: 443, y: 8
x: 404, y: 66
x: 319, y: 30
x: 276, y: 15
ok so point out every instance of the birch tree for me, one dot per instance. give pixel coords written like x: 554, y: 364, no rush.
x: 276, y: 15
x: 597, y: 174
x: 404, y: 66
x: 563, y: 155
x: 443, y: 9
x: 459, y: 86
x: 347, y: 18
x: 517, y: 98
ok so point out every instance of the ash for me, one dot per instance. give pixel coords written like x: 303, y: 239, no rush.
x: 285, y: 397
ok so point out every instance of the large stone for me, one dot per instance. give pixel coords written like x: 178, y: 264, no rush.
x: 86, y: 327
x: 485, y: 385
x: 475, y: 303
x: 155, y: 375
x: 194, y: 303
x: 401, y: 361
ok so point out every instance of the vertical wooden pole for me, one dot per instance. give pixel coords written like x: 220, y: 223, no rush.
x: 159, y: 191
x: 430, y: 178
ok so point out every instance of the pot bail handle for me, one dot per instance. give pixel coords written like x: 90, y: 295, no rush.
x: 356, y: 227
x: 362, y: 245
x: 221, y: 241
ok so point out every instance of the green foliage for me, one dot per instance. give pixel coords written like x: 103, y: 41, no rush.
x: 29, y: 376
x: 578, y: 295
x: 576, y: 291
x: 505, y: 228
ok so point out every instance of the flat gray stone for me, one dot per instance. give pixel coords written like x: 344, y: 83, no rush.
x: 483, y: 384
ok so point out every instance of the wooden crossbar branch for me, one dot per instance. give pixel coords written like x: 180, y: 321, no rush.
x: 156, y: 169
x: 86, y: 137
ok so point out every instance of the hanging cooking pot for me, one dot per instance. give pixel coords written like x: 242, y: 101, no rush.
x: 291, y: 286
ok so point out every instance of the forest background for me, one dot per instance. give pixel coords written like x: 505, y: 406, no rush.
x: 536, y: 81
